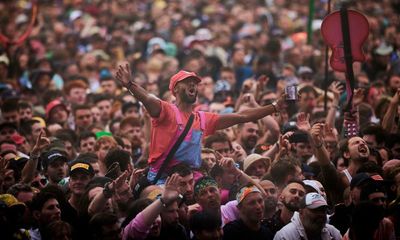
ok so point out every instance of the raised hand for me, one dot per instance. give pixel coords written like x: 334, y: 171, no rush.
x: 284, y: 143
x: 41, y: 143
x: 228, y: 164
x: 123, y: 75
x: 249, y: 99
x: 135, y: 175
x: 358, y: 97
x: 317, y: 131
x: 336, y: 88
x: 171, y: 192
x: 303, y: 122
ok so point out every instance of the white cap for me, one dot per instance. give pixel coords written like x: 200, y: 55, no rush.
x: 314, y: 200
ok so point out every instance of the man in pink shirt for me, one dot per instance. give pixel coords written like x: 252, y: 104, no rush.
x: 169, y: 120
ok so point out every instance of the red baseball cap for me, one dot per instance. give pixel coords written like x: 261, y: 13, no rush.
x: 181, y: 75
x: 52, y: 105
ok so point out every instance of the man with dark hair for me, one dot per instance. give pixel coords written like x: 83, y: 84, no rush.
x: 45, y: 210
x: 22, y: 192
x: 308, y: 100
x: 205, y: 226
x: 54, y: 165
x: 186, y: 181
x: 374, y: 136
x: 251, y: 212
x: 109, y: 86
x: 284, y: 171
x: 290, y: 198
x: 132, y: 128
x: 103, y: 103
x: 168, y: 120
x: 87, y: 141
x: 31, y: 130
x: 68, y: 138
x: 248, y: 135
x: 355, y: 149
x: 208, y: 158
x: 131, y: 109
x: 83, y: 117
x: 7, y: 130
x: 104, y: 226
x: 9, y: 112
x: 25, y: 110
x: 220, y: 143
x: 119, y: 156
x: 301, y: 147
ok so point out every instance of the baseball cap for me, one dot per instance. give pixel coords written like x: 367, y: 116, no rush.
x: 12, y: 202
x: 52, y: 156
x: 314, y: 200
x: 252, y: 158
x: 359, y: 179
x: 81, y: 166
x: 52, y: 105
x: 180, y: 76
x: 4, y: 59
x: 304, y: 70
x: 384, y: 49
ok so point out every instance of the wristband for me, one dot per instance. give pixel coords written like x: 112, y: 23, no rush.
x: 274, y: 104
x: 166, y: 204
x: 163, y: 203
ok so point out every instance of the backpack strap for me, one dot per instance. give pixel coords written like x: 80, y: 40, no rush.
x: 202, y: 120
x: 177, y: 115
x: 171, y: 153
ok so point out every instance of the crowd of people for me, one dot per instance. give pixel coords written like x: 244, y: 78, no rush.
x: 172, y: 120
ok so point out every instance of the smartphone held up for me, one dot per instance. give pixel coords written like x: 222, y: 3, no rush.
x: 291, y: 93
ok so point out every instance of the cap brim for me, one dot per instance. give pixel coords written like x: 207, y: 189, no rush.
x: 317, y: 205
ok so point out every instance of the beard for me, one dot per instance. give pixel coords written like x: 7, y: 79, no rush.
x: 292, y: 206
x: 313, y: 226
x: 270, y: 203
x: 188, y: 99
x: 136, y: 142
x: 250, y: 142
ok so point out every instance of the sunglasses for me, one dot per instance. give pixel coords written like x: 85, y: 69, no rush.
x: 39, y: 183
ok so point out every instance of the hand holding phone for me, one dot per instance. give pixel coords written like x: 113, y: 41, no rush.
x: 291, y: 93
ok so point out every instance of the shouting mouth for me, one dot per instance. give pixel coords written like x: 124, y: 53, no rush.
x: 363, y: 149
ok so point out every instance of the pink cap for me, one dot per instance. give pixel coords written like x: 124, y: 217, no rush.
x: 52, y: 105
x: 181, y: 75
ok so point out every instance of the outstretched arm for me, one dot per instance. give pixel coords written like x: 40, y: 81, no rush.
x: 151, y: 103
x: 249, y: 115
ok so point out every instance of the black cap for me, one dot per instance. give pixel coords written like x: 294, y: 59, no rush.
x: 51, y: 156
x: 359, y: 179
x: 81, y: 166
